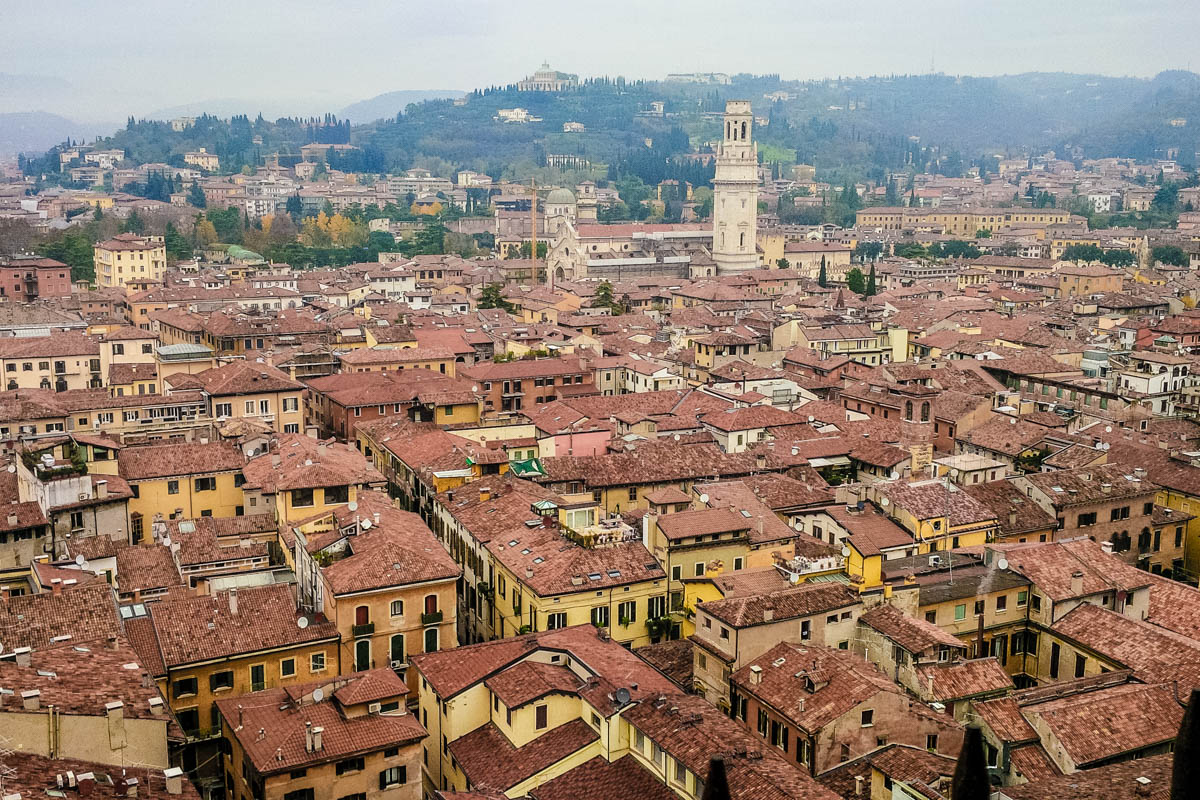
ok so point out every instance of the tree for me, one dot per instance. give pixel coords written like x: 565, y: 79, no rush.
x: 1118, y: 258
x: 871, y: 289
x: 134, y: 223
x: 177, y: 246
x: 604, y: 295
x: 910, y: 250
x: 204, y: 232
x: 868, y: 251
x: 983, y: 233
x: 491, y: 297
x: 782, y: 263
x: 295, y: 208
x: 855, y: 281
x: 431, y: 240
x: 1082, y: 252
x: 822, y: 276
x: 543, y: 248
x: 196, y: 196
x: 891, y: 196
x: 1169, y: 254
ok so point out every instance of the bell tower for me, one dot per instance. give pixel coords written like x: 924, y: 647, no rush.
x: 735, y: 193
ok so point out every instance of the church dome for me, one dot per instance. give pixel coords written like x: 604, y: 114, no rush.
x: 560, y: 197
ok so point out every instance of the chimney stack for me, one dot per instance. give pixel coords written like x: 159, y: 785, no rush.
x: 174, y: 779
x: 316, y: 738
x: 24, y: 657
x: 56, y: 586
x: 1077, y: 582
x: 101, y: 490
x: 308, y: 737
x: 1143, y: 786
x: 484, y: 494
x: 233, y: 601
x: 768, y: 614
x: 858, y: 785
x: 755, y: 675
x: 31, y: 700
x: 1012, y: 518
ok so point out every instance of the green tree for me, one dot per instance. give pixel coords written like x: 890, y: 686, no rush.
x: 891, y: 197
x: 822, y: 276
x: 871, y: 288
x: 782, y: 263
x: 910, y: 250
x: 295, y: 208
x: 543, y: 248
x: 491, y: 297
x: 1169, y: 254
x: 604, y: 295
x: 178, y: 248
x: 431, y: 240
x: 983, y: 233
x: 868, y: 251
x: 855, y: 281
x: 73, y: 248
x: 1082, y: 252
x: 196, y: 196
x: 1118, y: 258
x: 134, y: 223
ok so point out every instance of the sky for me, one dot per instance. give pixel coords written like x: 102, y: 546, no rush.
x: 110, y: 60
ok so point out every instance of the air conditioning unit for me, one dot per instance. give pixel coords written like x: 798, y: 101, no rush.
x: 397, y: 664
x: 96, y: 425
x: 374, y: 708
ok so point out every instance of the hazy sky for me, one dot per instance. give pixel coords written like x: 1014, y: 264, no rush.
x: 135, y: 56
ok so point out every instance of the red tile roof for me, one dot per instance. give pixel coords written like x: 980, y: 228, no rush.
x: 623, y: 779
x: 488, y: 758
x: 914, y: 635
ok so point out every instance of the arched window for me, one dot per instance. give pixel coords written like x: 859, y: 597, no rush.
x: 397, y: 649
x: 362, y: 615
x: 431, y: 604
x: 743, y: 130
x: 1144, y: 540
x: 397, y: 608
x: 431, y: 640
x: 925, y: 412
x: 908, y: 410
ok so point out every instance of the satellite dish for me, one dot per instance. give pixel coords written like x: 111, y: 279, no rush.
x: 703, y: 498
x: 166, y: 541
x: 846, y: 550
x: 622, y: 696
x: 474, y: 388
x: 80, y: 560
x: 811, y: 418
x: 895, y: 476
x: 318, y: 693
x: 883, y: 501
x: 366, y: 523
x: 302, y: 623
x: 353, y: 506
x: 1108, y: 428
x: 677, y: 437
x: 1012, y: 420
x: 12, y: 467
x: 1002, y: 563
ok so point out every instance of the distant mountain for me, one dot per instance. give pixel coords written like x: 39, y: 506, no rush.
x: 37, y: 131
x: 387, y: 105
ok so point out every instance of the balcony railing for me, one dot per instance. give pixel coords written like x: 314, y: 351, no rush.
x: 431, y: 618
x: 366, y: 629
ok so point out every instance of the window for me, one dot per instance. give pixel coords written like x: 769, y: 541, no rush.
x: 1148, y: 509
x: 1119, y: 513
x: 1080, y: 665
x: 931, y: 617
x: 147, y: 349
x: 541, y: 717
x: 172, y: 487
x: 118, y: 349
x: 76, y: 519
x: 1002, y: 603
x: 1035, y: 603
x: 257, y: 678
x: 220, y: 680
x: 931, y: 742
x: 184, y: 687
x: 677, y: 571
x: 762, y: 723
x: 680, y: 772
x: 699, y: 569
x: 431, y: 640
x: 805, y: 630
x: 600, y: 616
x: 350, y: 765
x: 291, y: 404
x: 632, y: 494
x: 397, y: 608
x: 287, y: 667
x: 724, y: 632
x: 868, y: 718
x: 316, y: 662
x: 291, y: 427
x: 979, y: 608
x: 302, y: 498
x: 296, y: 773
x: 556, y: 620
x: 337, y: 494
x: 205, y: 484
x: 627, y: 612
x: 737, y: 563
x: 1022, y: 599
x: 960, y: 612
x: 189, y: 719
x: 1088, y: 519
x: 224, y: 410
x: 249, y: 406
x: 396, y: 652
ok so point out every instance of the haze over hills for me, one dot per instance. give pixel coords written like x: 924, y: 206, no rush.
x: 389, y: 104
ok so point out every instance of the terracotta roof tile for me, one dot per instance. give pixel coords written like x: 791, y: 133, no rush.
x: 962, y: 679
x: 488, y: 758
x: 623, y: 779
x: 1112, y: 782
x: 914, y: 635
x: 180, y: 459
x: 801, y: 601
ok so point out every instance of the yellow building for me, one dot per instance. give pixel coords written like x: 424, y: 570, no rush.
x: 1087, y: 279
x: 127, y: 257
x: 384, y: 580
x: 959, y: 222
x: 301, y: 477
x: 189, y: 479
x: 345, y: 736
x: 248, y: 390
x: 208, y: 648
x: 937, y: 514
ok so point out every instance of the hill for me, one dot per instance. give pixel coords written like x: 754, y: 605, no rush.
x: 36, y: 131
x: 389, y: 104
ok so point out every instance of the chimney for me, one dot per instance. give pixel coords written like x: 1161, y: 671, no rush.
x: 1107, y: 547
x: 23, y: 655
x: 316, y: 738
x: 529, y: 572
x: 13, y: 519
x: 1012, y: 518
x: 131, y: 787
x: 31, y: 700
x: 929, y: 683
x: 56, y: 586
x: 768, y: 614
x: 484, y: 494
x: 233, y: 601
x: 760, y: 461
x: 1077, y: 583
x: 858, y: 785
x: 376, y: 516
x: 308, y: 737
x: 101, y: 490
x: 1143, y: 786
x: 156, y: 706
x: 174, y: 779
x: 86, y: 783
x: 755, y: 675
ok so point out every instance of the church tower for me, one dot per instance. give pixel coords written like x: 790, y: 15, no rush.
x: 735, y: 193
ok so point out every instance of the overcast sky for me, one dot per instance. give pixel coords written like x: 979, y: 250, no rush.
x: 136, y: 56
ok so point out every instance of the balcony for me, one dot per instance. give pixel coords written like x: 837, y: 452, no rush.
x: 431, y: 618
x: 366, y: 629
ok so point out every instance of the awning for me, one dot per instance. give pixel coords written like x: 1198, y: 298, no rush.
x: 529, y: 466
